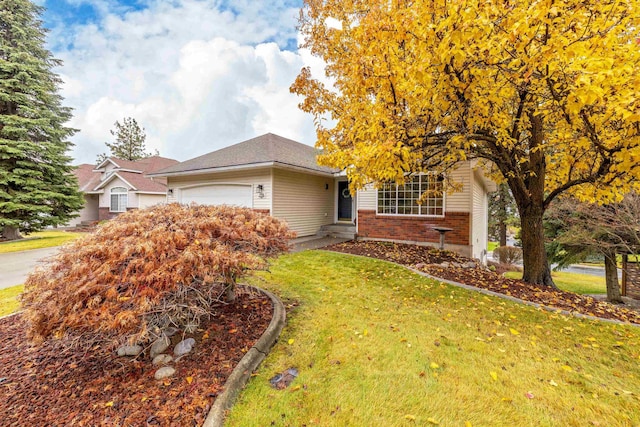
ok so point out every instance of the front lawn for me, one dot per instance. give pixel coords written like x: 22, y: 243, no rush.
x: 42, y: 239
x: 376, y: 344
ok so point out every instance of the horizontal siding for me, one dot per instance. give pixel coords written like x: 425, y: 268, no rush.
x: 367, y: 198
x: 146, y: 200
x: 255, y: 178
x: 454, y: 202
x: 460, y: 201
x: 303, y: 201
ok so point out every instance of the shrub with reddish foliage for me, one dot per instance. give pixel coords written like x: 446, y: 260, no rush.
x: 147, y: 270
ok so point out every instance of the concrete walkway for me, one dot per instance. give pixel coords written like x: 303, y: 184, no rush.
x: 15, y: 266
x: 313, y: 242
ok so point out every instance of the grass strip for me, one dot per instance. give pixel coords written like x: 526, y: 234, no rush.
x: 42, y: 239
x: 9, y: 300
x: 584, y: 284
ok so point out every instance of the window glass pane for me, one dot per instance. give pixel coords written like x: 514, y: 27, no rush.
x: 403, y: 199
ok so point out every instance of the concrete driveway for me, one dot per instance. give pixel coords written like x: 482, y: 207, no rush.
x: 15, y: 266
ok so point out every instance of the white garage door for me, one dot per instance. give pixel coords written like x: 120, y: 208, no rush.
x: 223, y: 194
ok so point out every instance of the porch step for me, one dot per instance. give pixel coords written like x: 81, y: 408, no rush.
x: 342, y: 231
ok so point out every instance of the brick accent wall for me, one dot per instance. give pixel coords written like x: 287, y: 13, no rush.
x: 411, y: 228
x: 264, y: 211
x: 104, y: 214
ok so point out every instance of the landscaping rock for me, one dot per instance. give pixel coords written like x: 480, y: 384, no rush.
x: 282, y: 381
x: 469, y: 264
x: 170, y: 331
x: 162, y: 359
x: 159, y: 346
x: 444, y: 264
x: 129, y: 350
x: 164, y: 372
x: 184, y: 347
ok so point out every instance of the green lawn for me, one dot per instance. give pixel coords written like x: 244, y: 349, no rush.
x: 492, y: 245
x: 573, y: 282
x: 9, y: 300
x: 377, y: 345
x: 42, y: 239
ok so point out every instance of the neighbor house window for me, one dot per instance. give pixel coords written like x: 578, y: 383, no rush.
x: 118, y: 199
x: 403, y: 199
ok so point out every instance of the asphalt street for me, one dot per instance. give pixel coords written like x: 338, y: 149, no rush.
x: 15, y: 266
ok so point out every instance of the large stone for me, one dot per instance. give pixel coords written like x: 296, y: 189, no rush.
x: 162, y: 359
x: 130, y: 350
x: 184, y: 347
x: 164, y: 372
x: 159, y: 346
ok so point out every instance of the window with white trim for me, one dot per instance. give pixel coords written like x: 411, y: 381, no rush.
x: 394, y: 199
x: 118, y: 199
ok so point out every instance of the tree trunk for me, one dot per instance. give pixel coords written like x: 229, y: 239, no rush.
x: 529, y: 194
x: 11, y: 233
x: 503, y: 233
x: 230, y: 293
x: 534, y: 257
x: 611, y: 275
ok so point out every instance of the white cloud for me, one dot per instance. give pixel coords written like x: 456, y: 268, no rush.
x: 197, y: 77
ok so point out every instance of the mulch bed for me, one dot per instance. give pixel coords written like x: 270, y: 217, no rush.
x: 428, y: 260
x: 53, y: 386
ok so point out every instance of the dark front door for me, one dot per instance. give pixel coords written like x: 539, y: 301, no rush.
x: 344, y: 202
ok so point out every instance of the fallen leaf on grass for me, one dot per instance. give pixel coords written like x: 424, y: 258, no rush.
x: 529, y: 395
x: 514, y: 332
x: 494, y: 375
x: 553, y: 383
x: 433, y: 421
x: 434, y: 365
x: 291, y: 341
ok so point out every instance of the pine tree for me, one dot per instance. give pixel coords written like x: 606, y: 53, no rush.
x: 37, y: 186
x: 129, y: 143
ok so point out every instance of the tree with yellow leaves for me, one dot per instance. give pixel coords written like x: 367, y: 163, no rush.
x: 544, y: 92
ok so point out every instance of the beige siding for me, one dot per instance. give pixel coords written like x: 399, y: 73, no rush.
x: 89, y: 211
x: 105, y: 198
x: 304, y: 201
x: 459, y: 201
x: 146, y: 200
x: 479, y: 217
x: 254, y: 177
x: 367, y: 198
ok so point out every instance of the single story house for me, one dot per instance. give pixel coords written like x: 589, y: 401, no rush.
x: 117, y: 185
x: 281, y: 177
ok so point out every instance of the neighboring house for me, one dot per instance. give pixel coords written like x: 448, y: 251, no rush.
x: 281, y: 177
x: 115, y: 186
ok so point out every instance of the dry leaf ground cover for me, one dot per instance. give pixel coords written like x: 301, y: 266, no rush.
x: 378, y: 345
x: 50, y: 386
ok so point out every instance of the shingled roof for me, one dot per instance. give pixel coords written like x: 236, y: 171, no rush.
x: 91, y: 179
x: 265, y: 150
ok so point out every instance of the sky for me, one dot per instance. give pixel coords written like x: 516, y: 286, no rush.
x: 198, y: 75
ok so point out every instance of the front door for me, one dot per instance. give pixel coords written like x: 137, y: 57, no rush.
x: 345, y: 203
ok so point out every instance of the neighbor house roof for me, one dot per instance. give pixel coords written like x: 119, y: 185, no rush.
x: 134, y: 173
x: 265, y: 150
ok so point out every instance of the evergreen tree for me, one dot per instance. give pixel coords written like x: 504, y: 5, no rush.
x: 37, y: 186
x: 129, y: 143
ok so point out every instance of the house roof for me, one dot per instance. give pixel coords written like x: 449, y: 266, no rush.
x: 133, y: 173
x: 88, y: 179
x: 265, y: 150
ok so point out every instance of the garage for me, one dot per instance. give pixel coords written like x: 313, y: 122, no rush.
x: 218, y: 194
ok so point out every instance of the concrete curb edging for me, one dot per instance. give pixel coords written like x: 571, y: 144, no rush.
x: 249, y: 363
